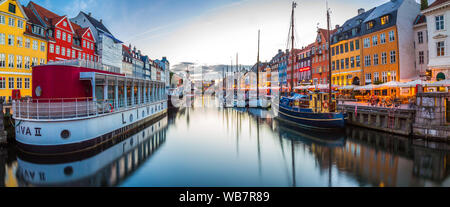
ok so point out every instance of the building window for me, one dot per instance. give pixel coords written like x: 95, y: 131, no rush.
x: 420, y: 37
x: 393, y: 56
x: 2, y: 39
x: 27, y: 43
x: 375, y: 40
x: 84, y: 43
x: 337, y: 65
x: 376, y: 78
x: 57, y: 49
x: 27, y: 62
x: 347, y: 63
x: 58, y: 34
x: 20, y: 24
x: 337, y: 50
x: 42, y: 61
x: 375, y: 59
x: 358, y: 61
x: 342, y: 48
x: 52, y: 48
x: 393, y: 75
x: 19, y: 41
x: 11, y: 22
x: 367, y: 60
x: 346, y: 47
x: 2, y: 19
x: 439, y: 22
x: 12, y: 8
x: 19, y: 61
x: 332, y: 51
x: 2, y: 82
x: 366, y: 42
x: 11, y: 40
x: 27, y: 83
x: 421, y: 58
x: 352, y: 46
x: 342, y: 64
x: 64, y: 36
x: 383, y: 58
x: 369, y: 25
x: 385, y: 20
x: 63, y: 51
x: 391, y: 36
x: 73, y: 54
x: 368, y: 78
x: 42, y: 46
x: 11, y: 61
x: 69, y: 38
x: 11, y: 83
x: 68, y: 52
x: 19, y: 83
x: 35, y: 45
x: 34, y: 62
x: 2, y: 60
x: 382, y: 38
x: 440, y: 48
x: 333, y: 65
x: 352, y: 62
x: 384, y: 77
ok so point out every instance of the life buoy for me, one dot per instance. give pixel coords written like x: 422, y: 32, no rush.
x: 112, y: 108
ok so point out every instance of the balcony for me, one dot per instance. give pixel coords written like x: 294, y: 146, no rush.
x: 86, y: 64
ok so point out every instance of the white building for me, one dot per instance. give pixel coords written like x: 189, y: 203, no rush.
x: 421, y: 47
x: 438, y: 24
x: 108, y: 47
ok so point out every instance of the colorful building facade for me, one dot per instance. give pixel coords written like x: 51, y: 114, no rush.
x: 66, y: 40
x: 346, y: 52
x: 320, y: 57
x: 303, y: 72
x: 20, y: 49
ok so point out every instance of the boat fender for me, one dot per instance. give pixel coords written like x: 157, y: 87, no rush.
x: 112, y: 108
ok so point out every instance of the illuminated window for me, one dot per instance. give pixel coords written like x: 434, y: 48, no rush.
x: 369, y: 25
x: 385, y: 20
x: 440, y: 48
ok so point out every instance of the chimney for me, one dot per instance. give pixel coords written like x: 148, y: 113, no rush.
x: 101, y: 20
x: 361, y: 10
x: 337, y: 26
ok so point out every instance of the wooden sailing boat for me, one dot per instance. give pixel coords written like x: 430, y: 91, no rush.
x: 315, y: 110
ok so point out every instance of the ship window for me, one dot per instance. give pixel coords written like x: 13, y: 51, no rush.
x: 65, y: 134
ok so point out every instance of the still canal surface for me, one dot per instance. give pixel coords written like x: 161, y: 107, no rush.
x: 216, y: 147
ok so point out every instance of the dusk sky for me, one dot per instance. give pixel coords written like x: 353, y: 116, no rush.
x: 210, y: 32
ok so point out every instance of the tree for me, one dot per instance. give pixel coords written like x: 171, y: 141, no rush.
x: 423, y: 4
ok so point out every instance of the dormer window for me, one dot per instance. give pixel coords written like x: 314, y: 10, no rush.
x: 369, y: 25
x: 12, y: 8
x: 384, y: 20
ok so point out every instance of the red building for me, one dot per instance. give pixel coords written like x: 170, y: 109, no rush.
x: 320, y: 57
x: 66, y: 40
x: 303, y: 66
x: 295, y: 52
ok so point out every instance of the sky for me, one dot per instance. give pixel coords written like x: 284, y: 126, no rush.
x: 210, y: 32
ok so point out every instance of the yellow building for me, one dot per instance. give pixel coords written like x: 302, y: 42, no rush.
x: 380, y: 59
x: 346, y: 62
x: 22, y: 45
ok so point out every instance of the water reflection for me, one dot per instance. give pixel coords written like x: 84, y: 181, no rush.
x: 208, y: 146
x: 107, y: 168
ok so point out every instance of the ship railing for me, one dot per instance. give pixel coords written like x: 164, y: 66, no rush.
x: 72, y: 108
x: 86, y: 64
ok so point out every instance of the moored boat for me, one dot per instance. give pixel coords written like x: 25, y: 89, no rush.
x: 78, y: 104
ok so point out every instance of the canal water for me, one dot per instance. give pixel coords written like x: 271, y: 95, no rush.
x: 205, y: 146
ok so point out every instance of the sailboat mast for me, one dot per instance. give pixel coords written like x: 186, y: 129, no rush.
x: 257, y: 71
x: 292, y: 48
x: 329, y: 61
